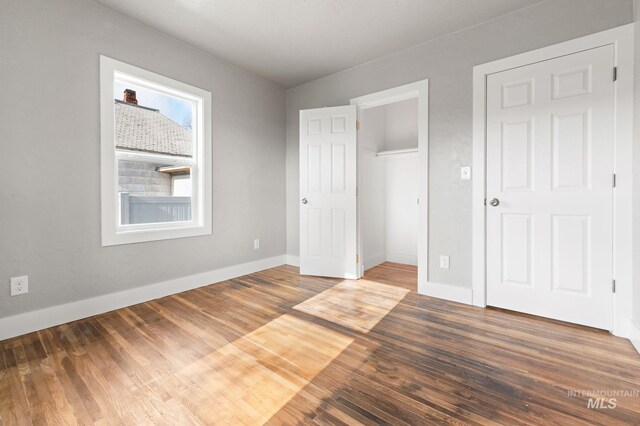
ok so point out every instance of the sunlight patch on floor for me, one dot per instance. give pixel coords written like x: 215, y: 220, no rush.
x: 358, y: 305
x: 251, y: 379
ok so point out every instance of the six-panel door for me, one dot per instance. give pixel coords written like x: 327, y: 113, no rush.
x: 549, y: 175
x: 328, y: 231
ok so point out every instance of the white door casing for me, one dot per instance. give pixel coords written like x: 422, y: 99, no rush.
x: 550, y: 156
x: 419, y: 90
x: 328, y: 179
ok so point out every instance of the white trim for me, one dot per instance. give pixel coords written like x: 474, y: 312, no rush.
x: 622, y: 40
x: 405, y: 259
x: 419, y: 90
x: 453, y: 293
x: 389, y: 96
x: 55, y: 315
x: 374, y: 260
x: 293, y: 260
x: 201, y: 224
x: 634, y: 334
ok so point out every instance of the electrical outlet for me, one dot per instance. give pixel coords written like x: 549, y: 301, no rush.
x: 444, y: 262
x: 465, y: 173
x: 256, y: 244
x: 19, y: 285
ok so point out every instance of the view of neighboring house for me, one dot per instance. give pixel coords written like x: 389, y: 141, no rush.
x: 151, y: 192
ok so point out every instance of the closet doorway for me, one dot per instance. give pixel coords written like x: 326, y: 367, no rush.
x: 392, y: 183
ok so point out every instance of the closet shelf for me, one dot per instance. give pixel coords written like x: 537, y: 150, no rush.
x: 396, y: 151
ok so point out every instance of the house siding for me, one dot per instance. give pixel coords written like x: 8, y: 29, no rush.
x: 138, y: 178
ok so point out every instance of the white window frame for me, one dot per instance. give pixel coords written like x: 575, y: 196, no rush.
x: 113, y: 233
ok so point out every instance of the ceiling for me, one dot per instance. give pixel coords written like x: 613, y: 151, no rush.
x: 291, y: 42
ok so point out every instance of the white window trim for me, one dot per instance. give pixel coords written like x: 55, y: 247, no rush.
x: 201, y: 224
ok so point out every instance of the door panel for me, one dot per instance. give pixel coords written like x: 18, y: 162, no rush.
x: 517, y: 159
x: 516, y: 249
x: 314, y: 168
x: 328, y: 232
x: 570, y: 255
x: 550, y: 166
x: 571, y: 147
x: 314, y: 232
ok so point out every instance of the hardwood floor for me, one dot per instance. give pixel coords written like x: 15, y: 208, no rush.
x: 396, y: 274
x: 277, y: 348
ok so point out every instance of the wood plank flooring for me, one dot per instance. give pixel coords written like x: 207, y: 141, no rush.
x: 396, y: 274
x: 277, y: 348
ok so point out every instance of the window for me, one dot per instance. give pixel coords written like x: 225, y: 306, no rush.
x: 156, y: 156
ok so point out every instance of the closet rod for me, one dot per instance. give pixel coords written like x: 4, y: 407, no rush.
x: 396, y: 151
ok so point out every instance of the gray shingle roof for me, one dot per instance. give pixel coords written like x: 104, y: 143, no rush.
x: 145, y: 129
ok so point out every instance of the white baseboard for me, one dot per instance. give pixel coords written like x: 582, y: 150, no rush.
x: 634, y: 334
x: 448, y: 292
x: 407, y: 259
x: 28, y: 322
x: 293, y: 260
x: 375, y: 260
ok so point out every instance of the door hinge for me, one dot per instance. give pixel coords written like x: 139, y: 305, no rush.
x: 613, y: 286
x: 357, y: 258
x: 615, y: 73
x: 485, y: 201
x: 357, y: 124
x: 613, y: 182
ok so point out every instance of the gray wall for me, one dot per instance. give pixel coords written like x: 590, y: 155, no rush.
x: 448, y: 63
x: 401, y: 125
x: 373, y: 131
x: 390, y: 127
x: 50, y: 151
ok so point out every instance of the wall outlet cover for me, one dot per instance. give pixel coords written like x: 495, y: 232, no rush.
x: 444, y: 262
x: 256, y: 244
x: 19, y: 285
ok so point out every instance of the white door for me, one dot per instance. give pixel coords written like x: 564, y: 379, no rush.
x: 328, y: 156
x: 550, y: 188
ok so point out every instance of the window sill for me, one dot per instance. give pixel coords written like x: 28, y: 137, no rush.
x: 147, y: 235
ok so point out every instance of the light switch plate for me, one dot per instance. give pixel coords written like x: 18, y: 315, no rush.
x: 465, y: 173
x: 256, y: 244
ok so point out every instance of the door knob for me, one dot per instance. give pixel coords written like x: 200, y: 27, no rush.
x: 495, y: 202
x: 304, y: 201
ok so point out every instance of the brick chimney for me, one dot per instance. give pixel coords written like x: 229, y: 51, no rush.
x: 130, y: 97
